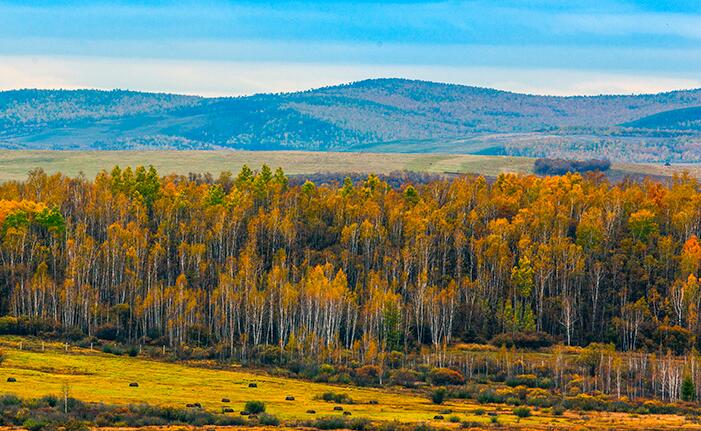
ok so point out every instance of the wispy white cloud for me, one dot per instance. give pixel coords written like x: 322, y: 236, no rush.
x: 686, y: 26
x: 230, y: 78
x: 618, y: 45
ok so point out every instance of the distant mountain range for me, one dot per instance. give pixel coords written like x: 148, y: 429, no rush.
x: 389, y: 115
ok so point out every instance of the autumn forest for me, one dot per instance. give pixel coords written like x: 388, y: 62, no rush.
x: 243, y: 260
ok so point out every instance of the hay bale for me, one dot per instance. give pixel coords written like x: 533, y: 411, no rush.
x: 11, y: 380
x: 346, y: 413
x: 338, y: 408
x: 225, y: 400
x: 289, y: 398
x: 189, y: 406
x: 245, y: 413
x: 311, y: 412
x: 227, y: 410
x: 198, y: 405
x: 374, y: 402
x: 439, y: 417
x: 252, y: 385
x: 133, y: 385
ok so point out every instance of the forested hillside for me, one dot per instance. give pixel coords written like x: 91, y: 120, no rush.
x: 249, y: 259
x: 391, y: 115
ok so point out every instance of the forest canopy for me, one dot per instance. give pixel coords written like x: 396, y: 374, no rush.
x: 249, y: 259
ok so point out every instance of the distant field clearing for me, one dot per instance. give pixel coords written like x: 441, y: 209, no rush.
x: 15, y: 164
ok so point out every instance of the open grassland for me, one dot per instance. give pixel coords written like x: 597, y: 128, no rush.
x: 15, y: 164
x: 94, y: 376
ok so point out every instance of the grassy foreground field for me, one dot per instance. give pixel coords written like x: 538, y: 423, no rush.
x: 93, y: 376
x: 14, y: 164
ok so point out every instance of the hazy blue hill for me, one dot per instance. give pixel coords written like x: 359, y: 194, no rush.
x: 676, y: 119
x: 45, y: 106
x: 372, y: 115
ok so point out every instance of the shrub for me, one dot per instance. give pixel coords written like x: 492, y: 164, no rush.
x: 558, y: 410
x: 74, y: 333
x: 454, y: 419
x: 133, y: 351
x: 112, y: 349
x: 270, y: 355
x: 513, y: 401
x: 340, y: 398
x: 541, y: 398
x: 329, y: 423
x: 438, y: 396
x: 463, y: 393
x: 49, y: 400
x: 424, y: 427
x: 445, y: 376
x: 367, y: 375
x: 107, y: 332
x: 688, y: 389
x: 528, y: 380
x: 546, y: 166
x: 585, y: 402
x: 489, y: 396
x: 359, y: 424
x: 32, y: 424
x: 10, y: 400
x: 479, y: 412
x: 8, y: 325
x: 523, y: 340
x: 675, y: 338
x: 395, y: 358
x: 522, y: 412
x: 269, y: 420
x: 2, y: 356
x: 403, y: 377
x: 255, y: 407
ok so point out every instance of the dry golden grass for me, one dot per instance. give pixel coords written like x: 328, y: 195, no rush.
x: 15, y: 164
x: 98, y: 377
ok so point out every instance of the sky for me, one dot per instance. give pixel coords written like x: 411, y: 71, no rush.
x: 222, y: 48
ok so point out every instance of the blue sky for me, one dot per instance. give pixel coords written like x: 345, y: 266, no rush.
x: 231, y: 48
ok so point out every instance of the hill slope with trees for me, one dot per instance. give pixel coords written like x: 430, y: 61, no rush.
x: 392, y: 115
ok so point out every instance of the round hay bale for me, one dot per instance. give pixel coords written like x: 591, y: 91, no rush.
x: 245, y: 413
x: 338, y: 408
x: 133, y: 385
x: 253, y: 385
x: 438, y: 417
x: 11, y: 380
x: 311, y: 412
x: 225, y: 400
x: 198, y: 405
x: 346, y: 413
x: 189, y: 406
x: 227, y: 410
x: 374, y: 402
x: 289, y: 398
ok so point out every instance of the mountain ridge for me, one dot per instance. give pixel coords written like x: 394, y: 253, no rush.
x: 381, y: 114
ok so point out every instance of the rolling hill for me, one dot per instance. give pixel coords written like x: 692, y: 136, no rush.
x: 388, y: 115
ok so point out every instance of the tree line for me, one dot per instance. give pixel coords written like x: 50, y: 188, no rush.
x: 248, y: 259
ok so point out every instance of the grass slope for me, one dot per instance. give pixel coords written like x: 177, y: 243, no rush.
x: 97, y: 377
